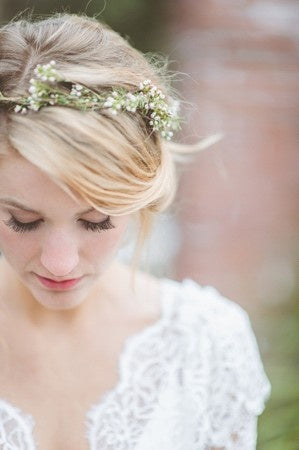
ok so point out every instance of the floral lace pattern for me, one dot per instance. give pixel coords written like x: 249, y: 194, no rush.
x: 193, y: 380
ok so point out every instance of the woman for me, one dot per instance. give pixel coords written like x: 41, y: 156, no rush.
x: 91, y: 357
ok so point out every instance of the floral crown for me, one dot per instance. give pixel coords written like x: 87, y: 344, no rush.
x: 147, y: 100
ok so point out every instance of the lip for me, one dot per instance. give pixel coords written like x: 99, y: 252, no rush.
x: 59, y: 285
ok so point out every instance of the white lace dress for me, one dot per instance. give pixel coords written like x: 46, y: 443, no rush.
x: 193, y: 380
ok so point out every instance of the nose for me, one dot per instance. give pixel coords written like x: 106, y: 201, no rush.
x: 60, y: 254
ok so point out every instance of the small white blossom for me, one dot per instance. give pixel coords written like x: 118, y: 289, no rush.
x: 17, y: 108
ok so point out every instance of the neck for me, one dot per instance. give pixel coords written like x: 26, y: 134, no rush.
x: 102, y: 302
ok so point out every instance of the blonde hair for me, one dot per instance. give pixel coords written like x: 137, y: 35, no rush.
x: 111, y: 162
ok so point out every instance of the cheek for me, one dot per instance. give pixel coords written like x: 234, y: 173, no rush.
x: 17, y: 248
x: 104, y: 246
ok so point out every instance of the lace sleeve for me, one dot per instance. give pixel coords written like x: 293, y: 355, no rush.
x: 239, y: 385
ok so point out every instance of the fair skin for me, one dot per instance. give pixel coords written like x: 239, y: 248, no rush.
x: 59, y: 248
x: 53, y: 338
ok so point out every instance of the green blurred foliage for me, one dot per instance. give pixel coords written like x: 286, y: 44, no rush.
x: 142, y: 22
x: 279, y: 424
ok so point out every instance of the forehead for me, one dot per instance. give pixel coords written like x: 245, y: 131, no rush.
x: 22, y: 180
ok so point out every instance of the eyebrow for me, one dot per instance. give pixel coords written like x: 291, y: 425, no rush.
x: 16, y: 204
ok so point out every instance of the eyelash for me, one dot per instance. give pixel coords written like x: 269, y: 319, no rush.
x: 21, y: 227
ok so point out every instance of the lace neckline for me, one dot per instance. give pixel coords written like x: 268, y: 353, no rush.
x: 27, y: 420
x: 130, y: 344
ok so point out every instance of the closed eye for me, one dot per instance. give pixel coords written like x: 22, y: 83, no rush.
x: 21, y: 227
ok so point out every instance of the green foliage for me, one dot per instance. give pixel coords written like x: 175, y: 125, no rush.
x: 279, y: 425
x: 141, y: 22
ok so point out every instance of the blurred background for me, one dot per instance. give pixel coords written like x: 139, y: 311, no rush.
x: 234, y: 224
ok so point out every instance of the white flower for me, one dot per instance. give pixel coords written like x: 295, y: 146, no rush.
x: 32, y: 89
x: 24, y: 110
x: 18, y: 108
x: 52, y: 62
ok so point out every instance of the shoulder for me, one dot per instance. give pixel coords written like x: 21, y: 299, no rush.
x: 207, y: 311
x: 206, y: 304
x: 223, y: 336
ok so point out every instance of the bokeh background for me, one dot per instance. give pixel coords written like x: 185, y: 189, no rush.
x: 234, y: 223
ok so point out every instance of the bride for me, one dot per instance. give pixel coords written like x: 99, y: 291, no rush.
x: 97, y: 354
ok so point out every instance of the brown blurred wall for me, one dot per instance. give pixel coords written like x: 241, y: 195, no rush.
x: 238, y: 200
